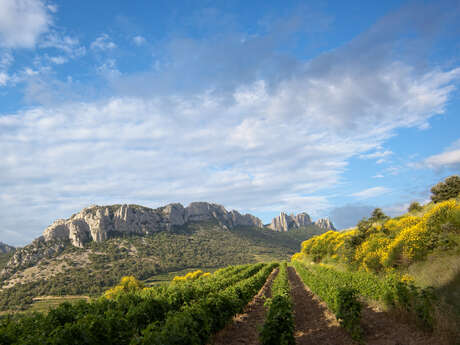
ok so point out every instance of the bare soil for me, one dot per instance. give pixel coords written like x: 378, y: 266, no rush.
x: 245, y: 328
x: 314, y: 323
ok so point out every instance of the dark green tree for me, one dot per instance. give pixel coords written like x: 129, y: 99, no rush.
x: 378, y: 215
x: 414, y: 206
x: 446, y: 190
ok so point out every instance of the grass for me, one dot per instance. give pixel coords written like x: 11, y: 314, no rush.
x: 44, y: 304
x: 441, y: 271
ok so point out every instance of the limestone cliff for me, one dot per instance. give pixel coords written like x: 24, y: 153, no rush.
x: 286, y: 222
x: 98, y: 223
x: 325, y: 223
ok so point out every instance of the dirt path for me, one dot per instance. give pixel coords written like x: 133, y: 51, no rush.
x: 314, y: 324
x: 383, y: 329
x: 245, y: 328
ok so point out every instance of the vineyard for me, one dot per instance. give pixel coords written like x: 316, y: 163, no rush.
x: 198, y: 308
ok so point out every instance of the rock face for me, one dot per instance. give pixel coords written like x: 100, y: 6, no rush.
x: 4, y: 248
x: 325, y: 223
x: 32, y: 254
x: 98, y: 223
x: 286, y: 222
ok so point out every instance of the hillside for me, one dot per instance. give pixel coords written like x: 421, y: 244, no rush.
x: 420, y: 249
x: 71, y: 270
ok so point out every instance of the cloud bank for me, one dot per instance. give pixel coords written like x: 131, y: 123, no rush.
x: 244, y: 126
x: 22, y: 22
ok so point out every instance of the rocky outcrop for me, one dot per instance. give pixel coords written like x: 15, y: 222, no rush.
x: 98, y: 223
x: 32, y: 254
x: 325, y: 223
x: 286, y: 222
x: 5, y: 248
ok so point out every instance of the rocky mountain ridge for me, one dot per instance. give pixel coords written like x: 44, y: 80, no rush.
x: 285, y: 222
x: 325, y: 223
x: 98, y: 223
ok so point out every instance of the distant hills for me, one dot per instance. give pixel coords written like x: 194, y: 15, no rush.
x: 5, y: 248
x: 93, y: 249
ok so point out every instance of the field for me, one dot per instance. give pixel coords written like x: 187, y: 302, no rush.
x: 264, y: 303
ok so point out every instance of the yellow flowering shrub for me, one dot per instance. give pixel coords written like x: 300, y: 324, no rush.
x: 298, y: 257
x: 414, y: 242
x: 191, y: 276
x: 369, y: 254
x: 128, y: 284
x: 440, y: 214
x: 394, y: 226
x: 395, y: 242
x: 407, y: 278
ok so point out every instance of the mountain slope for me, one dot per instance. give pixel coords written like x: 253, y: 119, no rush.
x: 94, y: 248
x: 97, y: 266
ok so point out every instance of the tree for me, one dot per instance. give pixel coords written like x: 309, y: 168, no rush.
x: 414, y: 206
x: 446, y: 190
x: 378, y: 215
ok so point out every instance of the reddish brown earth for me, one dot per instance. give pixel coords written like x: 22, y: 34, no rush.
x: 245, y: 327
x: 314, y: 324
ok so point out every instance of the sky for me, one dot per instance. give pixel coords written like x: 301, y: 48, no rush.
x: 327, y: 107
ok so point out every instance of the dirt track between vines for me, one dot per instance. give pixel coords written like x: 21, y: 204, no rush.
x: 316, y: 325
x: 245, y: 327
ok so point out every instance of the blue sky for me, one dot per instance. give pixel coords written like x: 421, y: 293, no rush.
x: 327, y: 107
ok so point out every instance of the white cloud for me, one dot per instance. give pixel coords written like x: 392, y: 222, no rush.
x: 6, y: 59
x: 52, y: 7
x: 230, y: 132
x: 450, y: 158
x: 22, y: 22
x: 257, y: 149
x: 58, y: 60
x: 103, y: 42
x: 378, y: 176
x: 109, y: 69
x: 67, y: 44
x: 377, y: 154
x: 3, y: 78
x: 139, y: 40
x: 371, y: 192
